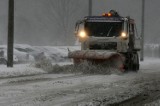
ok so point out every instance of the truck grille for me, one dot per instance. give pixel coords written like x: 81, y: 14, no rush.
x: 104, y: 46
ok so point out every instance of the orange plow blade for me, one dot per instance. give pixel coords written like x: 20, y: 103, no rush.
x: 84, y: 54
x: 98, y: 57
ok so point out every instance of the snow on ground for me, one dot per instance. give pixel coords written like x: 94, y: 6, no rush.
x: 74, y: 90
x: 57, y: 54
x: 47, y: 90
x: 28, y: 53
x: 149, y: 64
x: 69, y: 89
x: 154, y: 103
x: 19, y: 70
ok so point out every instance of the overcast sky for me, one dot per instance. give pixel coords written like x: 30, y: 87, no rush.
x: 37, y: 24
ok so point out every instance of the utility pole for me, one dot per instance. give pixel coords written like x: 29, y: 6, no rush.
x: 10, y: 33
x: 142, y: 31
x: 90, y: 8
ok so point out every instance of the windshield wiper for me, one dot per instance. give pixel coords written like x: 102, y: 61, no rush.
x: 109, y: 31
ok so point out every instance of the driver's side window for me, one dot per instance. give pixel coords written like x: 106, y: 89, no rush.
x: 131, y: 29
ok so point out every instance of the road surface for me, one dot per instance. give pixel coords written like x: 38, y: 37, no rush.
x: 142, y: 88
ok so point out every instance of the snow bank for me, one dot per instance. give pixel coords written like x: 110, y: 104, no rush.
x: 150, y: 65
x: 19, y: 70
x: 26, y: 53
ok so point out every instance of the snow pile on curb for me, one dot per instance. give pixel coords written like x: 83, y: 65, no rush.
x: 19, y: 70
x: 26, y: 53
x: 49, y: 67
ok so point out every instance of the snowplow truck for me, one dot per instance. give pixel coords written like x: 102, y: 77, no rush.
x: 109, y: 37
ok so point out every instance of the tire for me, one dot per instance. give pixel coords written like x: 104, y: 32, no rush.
x: 135, y: 62
x: 137, y: 65
x: 128, y: 62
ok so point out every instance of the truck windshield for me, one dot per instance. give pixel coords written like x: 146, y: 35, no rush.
x: 104, y: 29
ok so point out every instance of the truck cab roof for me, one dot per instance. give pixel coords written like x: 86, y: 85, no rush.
x: 107, y: 19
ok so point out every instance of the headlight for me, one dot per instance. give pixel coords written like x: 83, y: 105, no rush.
x: 82, y: 34
x: 123, y: 35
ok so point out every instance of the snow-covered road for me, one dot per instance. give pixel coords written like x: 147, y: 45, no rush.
x: 79, y: 90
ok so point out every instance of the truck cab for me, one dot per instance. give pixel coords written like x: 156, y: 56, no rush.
x: 110, y: 33
x: 107, y: 32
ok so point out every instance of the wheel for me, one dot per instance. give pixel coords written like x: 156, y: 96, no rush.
x: 135, y: 62
x: 128, y: 62
x: 132, y: 61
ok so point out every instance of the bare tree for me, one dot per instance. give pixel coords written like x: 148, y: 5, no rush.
x: 65, y: 13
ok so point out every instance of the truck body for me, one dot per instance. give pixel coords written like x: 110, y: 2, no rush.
x: 106, y: 38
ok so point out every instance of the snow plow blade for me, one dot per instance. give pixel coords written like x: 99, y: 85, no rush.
x: 114, y: 59
x: 99, y: 55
